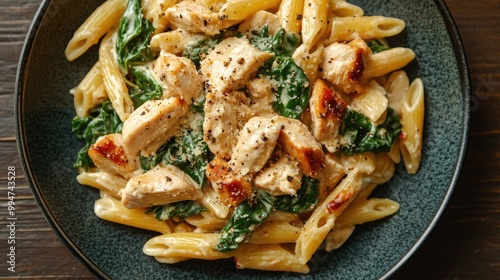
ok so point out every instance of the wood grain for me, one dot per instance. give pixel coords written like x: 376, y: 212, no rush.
x: 465, y: 245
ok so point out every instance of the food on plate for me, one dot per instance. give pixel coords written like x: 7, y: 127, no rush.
x: 253, y: 130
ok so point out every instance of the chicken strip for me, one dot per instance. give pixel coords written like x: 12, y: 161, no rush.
x: 300, y: 144
x: 343, y: 65
x: 327, y: 109
x: 197, y: 18
x: 231, y: 64
x: 282, y: 177
x: 178, y: 77
x: 150, y: 125
x: 109, y: 155
x: 225, y: 115
x: 159, y: 186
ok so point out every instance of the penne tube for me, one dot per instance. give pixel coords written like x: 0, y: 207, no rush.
x: 101, y: 21
x: 385, y: 62
x: 242, y: 9
x: 113, y: 80
x: 186, y: 245
x: 412, y: 120
x: 103, y: 181
x: 366, y: 27
x: 324, y: 216
x: 271, y: 257
x: 290, y: 14
x: 111, y: 209
x: 342, y: 8
x: 314, y: 21
x: 90, y: 92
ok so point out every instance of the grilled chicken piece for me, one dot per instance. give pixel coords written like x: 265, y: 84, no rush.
x: 178, y: 77
x: 282, y: 177
x: 152, y: 124
x: 300, y: 144
x: 231, y: 188
x: 255, y: 145
x: 108, y: 154
x: 327, y: 109
x: 159, y: 186
x: 225, y: 115
x: 257, y: 21
x: 231, y: 64
x: 343, y: 65
x: 197, y: 18
x: 261, y: 97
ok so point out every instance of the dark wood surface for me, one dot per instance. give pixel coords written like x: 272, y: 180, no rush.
x: 465, y: 244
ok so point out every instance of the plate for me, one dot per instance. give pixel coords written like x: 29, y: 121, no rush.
x: 376, y: 250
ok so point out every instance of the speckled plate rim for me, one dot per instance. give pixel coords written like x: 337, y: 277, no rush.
x: 24, y: 59
x: 35, y: 187
x: 463, y: 69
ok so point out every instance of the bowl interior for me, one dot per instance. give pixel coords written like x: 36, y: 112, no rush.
x: 48, y: 150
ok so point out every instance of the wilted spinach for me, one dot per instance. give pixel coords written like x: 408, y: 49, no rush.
x: 180, y: 210
x: 292, y: 93
x: 247, y: 216
x: 306, y: 199
x: 102, y: 120
x: 134, y: 34
x: 146, y: 87
x: 188, y: 152
x: 360, y: 135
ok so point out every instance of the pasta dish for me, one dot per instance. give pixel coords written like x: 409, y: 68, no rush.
x: 246, y: 129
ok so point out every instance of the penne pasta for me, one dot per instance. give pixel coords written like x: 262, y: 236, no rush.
x: 365, y: 27
x: 186, y: 245
x: 290, y: 14
x: 413, y: 125
x: 90, y: 92
x: 324, y: 216
x: 314, y: 21
x: 103, y: 181
x: 113, y: 80
x: 385, y: 62
x: 271, y: 257
x: 111, y: 209
x: 101, y: 21
x: 246, y: 129
x: 156, y: 13
x: 242, y: 9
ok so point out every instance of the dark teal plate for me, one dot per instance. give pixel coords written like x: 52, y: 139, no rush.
x: 376, y: 250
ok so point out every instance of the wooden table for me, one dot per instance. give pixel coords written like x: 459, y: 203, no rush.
x: 465, y: 245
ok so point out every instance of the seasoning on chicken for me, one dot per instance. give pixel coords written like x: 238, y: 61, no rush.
x: 196, y: 18
x: 343, y: 65
x: 109, y: 155
x: 150, y: 125
x: 282, y: 177
x: 178, y: 77
x: 327, y: 109
x: 231, y: 64
x: 159, y: 186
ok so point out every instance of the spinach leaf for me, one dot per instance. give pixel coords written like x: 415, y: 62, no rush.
x: 102, y: 120
x: 180, y: 210
x: 146, y: 87
x: 134, y: 33
x: 292, y: 93
x: 281, y: 43
x: 246, y: 217
x: 377, y: 46
x: 188, y: 152
x: 293, y: 90
x: 306, y: 199
x: 360, y: 135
